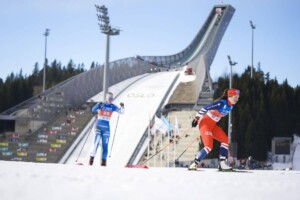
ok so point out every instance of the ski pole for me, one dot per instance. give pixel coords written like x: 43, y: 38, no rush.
x: 114, y: 136
x: 84, y: 142
x: 176, y: 160
x: 183, y: 134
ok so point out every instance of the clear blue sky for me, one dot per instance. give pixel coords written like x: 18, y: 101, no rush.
x: 150, y: 27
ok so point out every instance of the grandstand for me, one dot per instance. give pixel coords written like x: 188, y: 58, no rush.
x: 50, y: 126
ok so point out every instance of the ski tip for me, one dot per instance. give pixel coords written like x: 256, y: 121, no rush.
x: 79, y: 163
x: 137, y: 166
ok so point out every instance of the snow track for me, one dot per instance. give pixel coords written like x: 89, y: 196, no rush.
x: 34, y: 181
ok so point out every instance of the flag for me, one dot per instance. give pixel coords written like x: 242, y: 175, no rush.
x: 158, y: 125
x: 167, y: 123
x: 176, y: 126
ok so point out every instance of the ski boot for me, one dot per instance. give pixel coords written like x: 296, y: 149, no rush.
x: 194, y: 165
x: 223, y: 166
x: 103, y: 163
x: 91, y: 161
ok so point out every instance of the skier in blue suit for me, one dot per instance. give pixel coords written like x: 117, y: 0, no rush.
x: 101, y: 128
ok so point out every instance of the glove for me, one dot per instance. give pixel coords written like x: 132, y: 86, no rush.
x: 122, y: 105
x: 195, y: 121
x: 100, y: 104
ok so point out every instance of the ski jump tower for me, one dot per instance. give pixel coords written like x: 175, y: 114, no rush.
x: 199, y: 54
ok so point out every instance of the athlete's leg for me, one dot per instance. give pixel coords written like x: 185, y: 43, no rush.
x: 95, y: 142
x: 219, y: 134
x: 105, y: 140
x: 95, y: 146
x: 206, y: 126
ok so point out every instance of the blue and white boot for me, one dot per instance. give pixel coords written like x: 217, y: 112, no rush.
x: 222, y: 164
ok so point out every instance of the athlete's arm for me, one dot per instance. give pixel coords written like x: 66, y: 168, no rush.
x: 213, y: 106
x: 97, y: 107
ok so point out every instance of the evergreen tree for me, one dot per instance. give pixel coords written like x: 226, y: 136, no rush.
x: 2, y: 103
x: 18, y: 88
x: 93, y: 65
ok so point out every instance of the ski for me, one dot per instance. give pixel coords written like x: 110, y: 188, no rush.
x: 224, y: 171
x: 137, y: 166
x: 235, y: 170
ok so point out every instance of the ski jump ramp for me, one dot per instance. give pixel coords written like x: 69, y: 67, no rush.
x: 142, y: 100
x: 147, y: 93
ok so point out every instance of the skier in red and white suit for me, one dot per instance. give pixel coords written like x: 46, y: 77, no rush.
x: 207, y: 119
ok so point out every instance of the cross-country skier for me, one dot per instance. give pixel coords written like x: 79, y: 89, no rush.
x: 101, y: 128
x: 207, y: 119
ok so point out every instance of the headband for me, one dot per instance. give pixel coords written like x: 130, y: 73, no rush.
x: 233, y: 92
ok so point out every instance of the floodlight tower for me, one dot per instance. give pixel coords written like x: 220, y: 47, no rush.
x: 252, y: 27
x: 105, y: 28
x: 46, y: 34
x: 230, y: 86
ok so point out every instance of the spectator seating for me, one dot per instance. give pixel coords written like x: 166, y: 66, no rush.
x: 49, y: 143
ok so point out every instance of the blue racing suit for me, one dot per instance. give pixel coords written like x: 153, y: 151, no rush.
x: 101, y: 128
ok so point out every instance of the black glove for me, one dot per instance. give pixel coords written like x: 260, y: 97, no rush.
x: 122, y: 105
x: 100, y: 104
x: 195, y: 122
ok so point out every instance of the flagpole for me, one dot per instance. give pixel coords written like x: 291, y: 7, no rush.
x: 161, y: 142
x: 149, y: 141
x: 161, y: 139
x: 174, y: 137
x: 168, y: 148
x: 154, y: 149
x: 174, y: 154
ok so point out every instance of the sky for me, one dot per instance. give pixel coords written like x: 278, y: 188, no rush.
x: 149, y: 28
x: 35, y: 181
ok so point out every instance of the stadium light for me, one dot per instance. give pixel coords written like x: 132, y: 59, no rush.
x: 252, y: 27
x: 105, y: 27
x: 230, y: 86
x: 46, y: 34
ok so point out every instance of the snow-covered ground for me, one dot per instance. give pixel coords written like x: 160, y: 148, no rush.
x: 34, y: 181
